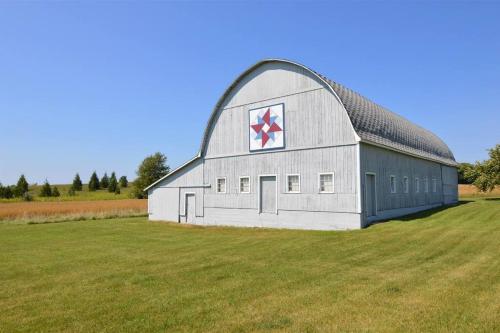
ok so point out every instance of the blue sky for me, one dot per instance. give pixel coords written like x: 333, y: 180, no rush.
x: 98, y: 86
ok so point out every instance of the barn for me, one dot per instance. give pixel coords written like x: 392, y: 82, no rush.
x: 285, y: 147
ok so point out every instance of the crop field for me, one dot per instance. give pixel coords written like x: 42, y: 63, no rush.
x: 437, y: 271
x: 467, y: 191
x: 40, y: 211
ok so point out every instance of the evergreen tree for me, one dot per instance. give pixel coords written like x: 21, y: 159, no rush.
x: 151, y: 169
x: 117, y: 191
x: 77, y: 183
x: 46, y: 190
x: 105, y: 181
x: 8, y: 192
x: 2, y: 191
x: 21, y: 187
x: 123, y: 181
x: 94, y: 182
x: 113, y: 183
x: 55, y: 192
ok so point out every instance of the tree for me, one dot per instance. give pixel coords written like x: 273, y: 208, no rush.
x: 113, y: 183
x: 117, y: 191
x: 123, y: 181
x: 8, y: 193
x: 21, y: 187
x: 487, y: 173
x: 77, y: 183
x: 105, y: 181
x: 71, y: 192
x: 55, y: 192
x: 94, y: 182
x: 151, y: 169
x: 46, y: 190
x: 463, y: 170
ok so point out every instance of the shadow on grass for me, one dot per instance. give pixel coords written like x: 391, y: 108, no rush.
x: 423, y: 214
x: 492, y: 199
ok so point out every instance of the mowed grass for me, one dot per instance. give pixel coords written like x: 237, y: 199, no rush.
x: 439, y: 271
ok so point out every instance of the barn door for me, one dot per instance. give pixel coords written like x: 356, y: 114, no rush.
x: 190, y: 207
x: 268, y: 192
x: 370, y: 195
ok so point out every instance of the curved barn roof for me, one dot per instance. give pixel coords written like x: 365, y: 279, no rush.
x: 373, y: 123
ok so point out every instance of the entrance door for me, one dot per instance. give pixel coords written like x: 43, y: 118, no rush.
x: 370, y: 196
x: 268, y: 191
x: 190, y: 207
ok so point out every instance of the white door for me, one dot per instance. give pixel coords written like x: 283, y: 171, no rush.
x: 268, y: 194
x: 370, y: 196
x: 190, y: 207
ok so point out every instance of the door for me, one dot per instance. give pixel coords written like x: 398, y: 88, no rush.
x: 190, y: 207
x: 370, y: 196
x: 268, y: 194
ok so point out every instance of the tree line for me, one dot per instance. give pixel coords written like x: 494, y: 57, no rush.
x: 152, y: 168
x: 21, y: 189
x: 484, y: 175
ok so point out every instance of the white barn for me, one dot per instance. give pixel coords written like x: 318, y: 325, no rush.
x: 286, y: 147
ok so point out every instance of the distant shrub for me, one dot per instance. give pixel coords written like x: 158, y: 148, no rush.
x: 113, y: 183
x: 71, y: 192
x: 77, y: 183
x: 105, y: 181
x: 55, y: 192
x: 94, y: 184
x: 27, y: 197
x: 123, y: 181
x: 117, y: 190
x: 21, y: 187
x: 46, y: 190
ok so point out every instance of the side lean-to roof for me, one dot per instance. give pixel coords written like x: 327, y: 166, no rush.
x: 373, y: 123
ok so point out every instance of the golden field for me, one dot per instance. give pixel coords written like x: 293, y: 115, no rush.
x: 465, y: 190
x: 29, y: 210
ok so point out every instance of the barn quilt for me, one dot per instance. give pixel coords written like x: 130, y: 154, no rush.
x: 267, y: 128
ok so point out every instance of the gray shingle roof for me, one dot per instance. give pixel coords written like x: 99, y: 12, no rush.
x: 376, y: 124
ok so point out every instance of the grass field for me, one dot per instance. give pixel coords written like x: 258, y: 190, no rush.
x: 85, y: 195
x: 439, y: 271
x: 66, y: 210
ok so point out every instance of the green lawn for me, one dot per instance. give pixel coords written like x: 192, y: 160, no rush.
x: 439, y: 271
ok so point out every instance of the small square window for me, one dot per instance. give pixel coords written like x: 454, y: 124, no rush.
x: 326, y: 182
x: 293, y: 184
x: 221, y: 185
x: 393, y: 184
x: 406, y: 185
x: 244, y: 184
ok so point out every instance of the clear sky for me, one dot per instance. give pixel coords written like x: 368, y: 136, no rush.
x: 98, y: 86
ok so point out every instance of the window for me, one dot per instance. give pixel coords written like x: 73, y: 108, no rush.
x: 417, y: 185
x: 244, y: 184
x: 406, y: 187
x: 434, y: 185
x: 393, y: 184
x: 293, y: 183
x: 221, y: 185
x: 326, y: 182
x: 426, y: 185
